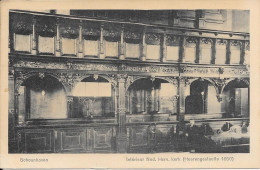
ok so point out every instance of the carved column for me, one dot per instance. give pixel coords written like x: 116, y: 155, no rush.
x: 164, y: 48
x: 80, y: 48
x: 242, y: 56
x: 34, y: 38
x: 198, y: 51
x: 58, y: 41
x: 101, y: 51
x: 228, y: 52
x: 143, y: 57
x: 69, y: 106
x: 11, y: 106
x: 213, y: 55
x: 182, y: 85
x: 122, y: 51
x: 121, y: 117
x: 182, y: 49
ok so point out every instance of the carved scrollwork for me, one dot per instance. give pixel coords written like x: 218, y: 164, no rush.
x: 69, y: 78
x: 221, y: 42
x: 206, y: 41
x: 41, y: 75
x: 111, y: 79
x: 185, y: 80
x: 69, y: 99
x: 235, y: 43
x: 191, y: 40
x: 151, y: 38
x: 132, y: 35
x: 247, y: 46
x: 170, y: 39
x: 221, y: 70
x: 11, y: 73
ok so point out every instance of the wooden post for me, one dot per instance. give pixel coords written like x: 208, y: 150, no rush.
x: 143, y: 57
x: 101, y: 51
x: 198, y: 51
x: 69, y: 106
x: 213, y: 50
x: 242, y: 56
x: 182, y: 85
x: 228, y: 54
x: 182, y: 49
x: 164, y: 56
x: 121, y: 132
x: 80, y: 48
x: 58, y: 43
x: 122, y: 51
x: 34, y: 38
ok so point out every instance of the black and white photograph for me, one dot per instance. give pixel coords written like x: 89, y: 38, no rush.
x: 129, y: 81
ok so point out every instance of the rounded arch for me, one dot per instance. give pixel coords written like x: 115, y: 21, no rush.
x: 22, y: 79
x: 109, y: 79
x: 246, y: 82
x: 208, y: 80
x: 131, y: 80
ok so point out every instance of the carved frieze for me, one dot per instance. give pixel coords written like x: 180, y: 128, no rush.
x: 149, y: 69
x: 152, y: 38
x: 236, y: 43
x: 191, y: 40
x: 221, y: 42
x: 132, y: 35
x: 207, y: 41
x: 172, y: 39
x: 201, y: 71
x: 69, y: 78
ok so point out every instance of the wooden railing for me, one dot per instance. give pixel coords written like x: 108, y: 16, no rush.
x: 54, y: 35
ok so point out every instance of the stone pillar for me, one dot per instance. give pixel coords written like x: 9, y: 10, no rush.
x: 121, y: 138
x: 143, y: 57
x: 182, y: 85
x: 34, y: 51
x: 80, y: 48
x: 101, y: 51
x: 58, y: 43
x: 182, y: 49
x: 122, y: 51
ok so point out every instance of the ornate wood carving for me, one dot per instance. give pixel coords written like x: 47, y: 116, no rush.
x: 132, y: 35
x: 221, y: 42
x: 152, y: 38
x: 236, y: 43
x: 191, y: 40
x: 207, y: 41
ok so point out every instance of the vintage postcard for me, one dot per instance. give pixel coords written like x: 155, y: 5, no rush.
x: 130, y: 84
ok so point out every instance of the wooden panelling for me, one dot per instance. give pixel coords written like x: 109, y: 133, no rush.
x: 69, y: 46
x: 138, y: 138
x: 22, y: 43
x: 36, y: 142
x: 72, y: 140
x: 102, y: 138
x: 46, y: 45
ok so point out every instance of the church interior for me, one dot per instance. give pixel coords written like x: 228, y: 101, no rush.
x: 129, y: 81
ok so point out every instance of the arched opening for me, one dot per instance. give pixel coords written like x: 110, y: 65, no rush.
x: 93, y: 97
x: 41, y: 98
x: 151, y: 96
x: 236, y: 99
x: 202, y: 98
